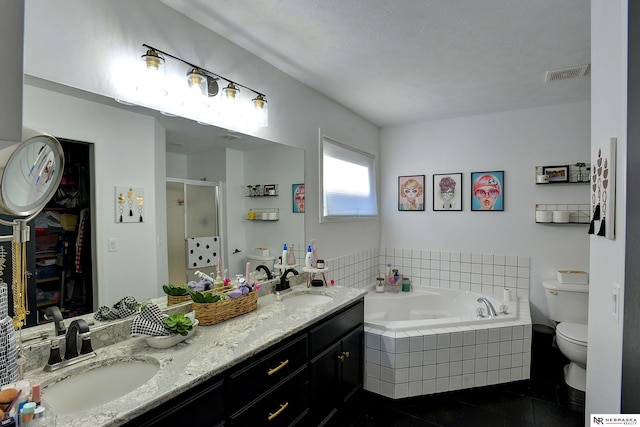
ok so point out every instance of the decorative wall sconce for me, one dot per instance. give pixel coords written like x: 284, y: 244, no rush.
x: 201, y: 89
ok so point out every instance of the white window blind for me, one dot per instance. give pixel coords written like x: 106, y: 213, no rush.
x: 348, y: 182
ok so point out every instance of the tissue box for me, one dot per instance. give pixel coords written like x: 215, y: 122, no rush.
x: 573, y: 276
x: 262, y: 251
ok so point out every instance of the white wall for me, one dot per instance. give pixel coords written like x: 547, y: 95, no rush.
x: 125, y: 144
x: 513, y: 141
x: 103, y: 38
x: 608, y: 119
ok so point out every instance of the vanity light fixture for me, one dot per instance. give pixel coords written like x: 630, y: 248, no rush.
x: 197, y: 91
x: 203, y: 86
x: 152, y: 78
x: 260, y: 111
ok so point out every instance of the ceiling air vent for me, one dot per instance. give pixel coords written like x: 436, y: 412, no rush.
x: 568, y: 73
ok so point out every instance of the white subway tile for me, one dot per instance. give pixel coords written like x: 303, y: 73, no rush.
x: 443, y: 355
x: 444, y: 340
x: 401, y: 391
x: 482, y: 350
x: 415, y: 358
x: 442, y: 370
x: 401, y: 375
x: 481, y: 364
x: 429, y: 357
x: 456, y: 339
x: 430, y: 342
x: 372, y: 355
x: 415, y: 373
x: 387, y: 389
x: 372, y: 341
x: 455, y: 353
x: 402, y: 345
x: 492, y: 377
x: 468, y: 352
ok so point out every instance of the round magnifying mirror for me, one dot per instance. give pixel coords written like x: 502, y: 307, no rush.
x: 30, y: 173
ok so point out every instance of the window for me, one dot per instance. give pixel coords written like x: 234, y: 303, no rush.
x: 347, y: 182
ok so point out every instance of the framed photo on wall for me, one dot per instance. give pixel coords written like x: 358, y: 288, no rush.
x: 447, y: 192
x: 297, y: 195
x: 556, y: 173
x: 487, y: 191
x: 411, y: 193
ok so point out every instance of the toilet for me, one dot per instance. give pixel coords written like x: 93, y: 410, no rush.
x: 568, y: 305
x: 255, y: 260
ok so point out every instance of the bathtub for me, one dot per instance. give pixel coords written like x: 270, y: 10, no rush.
x: 432, y: 308
x: 431, y: 340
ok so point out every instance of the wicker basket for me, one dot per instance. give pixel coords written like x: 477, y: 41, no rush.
x: 177, y: 299
x: 216, y: 312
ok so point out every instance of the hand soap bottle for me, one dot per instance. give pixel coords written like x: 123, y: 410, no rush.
x: 308, y: 259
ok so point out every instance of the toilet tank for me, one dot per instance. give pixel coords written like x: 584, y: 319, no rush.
x: 255, y: 260
x: 567, y: 302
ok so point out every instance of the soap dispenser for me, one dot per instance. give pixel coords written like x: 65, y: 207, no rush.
x: 308, y: 259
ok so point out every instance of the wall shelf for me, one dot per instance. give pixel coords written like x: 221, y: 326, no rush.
x: 578, y: 213
x: 572, y: 177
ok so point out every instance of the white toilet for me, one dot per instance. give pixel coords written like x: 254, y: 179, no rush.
x: 568, y: 304
x: 256, y: 260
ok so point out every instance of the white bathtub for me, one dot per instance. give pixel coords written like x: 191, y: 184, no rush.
x: 427, y: 308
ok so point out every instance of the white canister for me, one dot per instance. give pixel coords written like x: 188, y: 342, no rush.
x: 506, y: 294
x: 542, y: 179
x: 544, y: 216
x: 561, y: 216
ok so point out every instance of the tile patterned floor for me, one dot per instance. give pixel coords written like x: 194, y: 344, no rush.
x: 543, y: 400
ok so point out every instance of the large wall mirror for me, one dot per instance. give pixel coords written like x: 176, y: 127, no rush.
x: 140, y: 147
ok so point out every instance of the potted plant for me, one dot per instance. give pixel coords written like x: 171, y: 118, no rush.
x: 176, y: 294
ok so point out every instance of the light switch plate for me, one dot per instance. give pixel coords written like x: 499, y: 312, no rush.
x: 615, y: 301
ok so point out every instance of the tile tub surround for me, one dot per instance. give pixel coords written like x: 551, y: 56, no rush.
x: 414, y: 363
x: 209, y: 352
x: 484, y: 273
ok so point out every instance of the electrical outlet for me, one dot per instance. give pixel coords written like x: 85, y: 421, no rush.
x: 113, y: 244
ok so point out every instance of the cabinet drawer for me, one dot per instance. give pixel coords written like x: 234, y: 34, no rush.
x: 285, y: 405
x: 200, y: 407
x: 335, y: 328
x: 253, y: 380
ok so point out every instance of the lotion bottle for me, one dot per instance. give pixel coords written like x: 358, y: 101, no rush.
x: 308, y: 259
x: 285, y: 255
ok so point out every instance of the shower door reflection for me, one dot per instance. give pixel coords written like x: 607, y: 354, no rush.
x: 192, y: 212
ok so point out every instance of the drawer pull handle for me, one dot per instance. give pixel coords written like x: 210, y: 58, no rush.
x: 344, y: 355
x: 277, y: 368
x: 279, y: 411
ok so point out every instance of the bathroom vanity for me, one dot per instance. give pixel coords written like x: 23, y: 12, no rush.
x: 279, y: 365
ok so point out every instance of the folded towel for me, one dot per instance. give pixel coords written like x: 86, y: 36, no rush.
x: 123, y: 308
x: 149, y: 323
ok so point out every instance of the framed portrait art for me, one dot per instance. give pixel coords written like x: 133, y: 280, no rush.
x: 297, y: 195
x: 556, y: 173
x: 487, y: 191
x: 447, y: 192
x: 411, y: 193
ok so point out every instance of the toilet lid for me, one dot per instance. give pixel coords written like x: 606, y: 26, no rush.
x: 573, y: 332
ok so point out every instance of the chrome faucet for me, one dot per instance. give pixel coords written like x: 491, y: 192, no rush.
x: 79, y: 328
x: 266, y: 270
x: 490, y: 309
x: 284, y: 282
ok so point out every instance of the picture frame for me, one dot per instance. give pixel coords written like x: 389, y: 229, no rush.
x: 269, y: 190
x: 556, y: 174
x: 297, y: 197
x: 487, y: 191
x: 447, y: 192
x: 411, y: 193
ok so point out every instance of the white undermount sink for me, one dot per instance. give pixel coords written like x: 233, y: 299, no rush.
x: 98, y: 386
x: 305, y: 299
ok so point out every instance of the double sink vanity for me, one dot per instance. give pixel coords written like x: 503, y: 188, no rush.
x: 294, y: 360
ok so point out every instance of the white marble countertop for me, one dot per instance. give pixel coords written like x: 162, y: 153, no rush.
x: 210, y: 351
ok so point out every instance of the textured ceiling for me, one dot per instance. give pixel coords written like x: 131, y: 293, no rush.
x: 402, y: 61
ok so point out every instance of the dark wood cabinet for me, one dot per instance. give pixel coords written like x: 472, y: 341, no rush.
x: 336, y: 372
x: 303, y: 380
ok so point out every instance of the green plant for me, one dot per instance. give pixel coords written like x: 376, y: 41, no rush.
x: 175, y: 290
x: 204, y: 297
x: 178, y: 323
x: 580, y: 164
